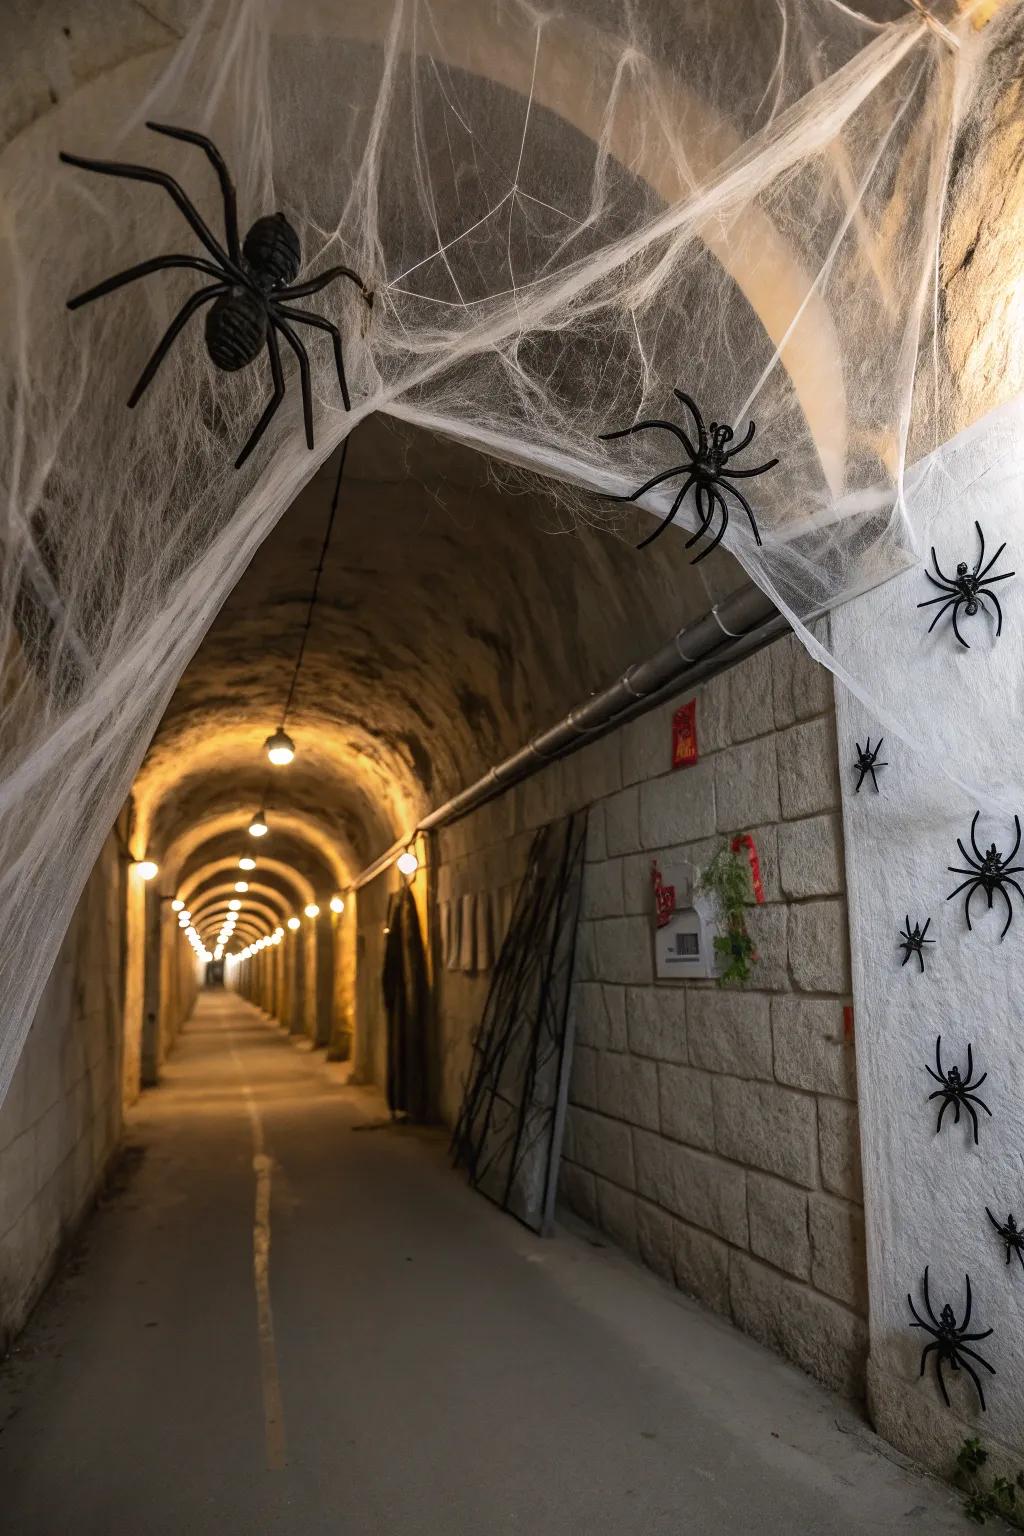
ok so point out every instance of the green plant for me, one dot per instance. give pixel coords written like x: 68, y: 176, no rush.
x: 726, y: 877
x: 999, y: 1500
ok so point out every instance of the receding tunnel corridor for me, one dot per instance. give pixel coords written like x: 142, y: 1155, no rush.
x: 420, y: 1363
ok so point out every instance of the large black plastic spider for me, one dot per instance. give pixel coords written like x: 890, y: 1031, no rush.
x: 1010, y: 1234
x: 949, y: 1340
x: 990, y: 871
x: 957, y: 1090
x: 707, y: 470
x: 867, y: 762
x: 913, y: 941
x: 253, y: 293
x: 965, y: 589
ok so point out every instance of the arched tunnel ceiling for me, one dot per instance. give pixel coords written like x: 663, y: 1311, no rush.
x: 456, y: 617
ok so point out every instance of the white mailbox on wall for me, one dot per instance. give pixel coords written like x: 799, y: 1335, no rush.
x: 684, y: 937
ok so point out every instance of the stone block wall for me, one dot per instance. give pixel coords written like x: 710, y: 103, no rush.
x: 61, y: 1119
x: 711, y: 1131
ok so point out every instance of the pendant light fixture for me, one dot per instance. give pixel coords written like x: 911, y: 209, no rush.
x: 279, y: 748
x: 258, y: 826
x: 407, y: 863
x: 246, y: 863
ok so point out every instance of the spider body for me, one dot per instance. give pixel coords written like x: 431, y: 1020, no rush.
x: 968, y: 589
x: 708, y: 471
x: 913, y: 941
x: 1010, y: 1234
x: 867, y: 762
x: 989, y: 872
x: 252, y: 298
x: 959, y: 1091
x: 950, y: 1340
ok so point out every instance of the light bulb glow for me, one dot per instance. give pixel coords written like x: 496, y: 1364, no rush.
x: 258, y: 826
x: 241, y: 885
x: 279, y: 748
x: 177, y: 905
x: 407, y: 863
x: 146, y: 869
x: 337, y: 905
x: 246, y: 863
x: 312, y: 910
x: 293, y: 923
x: 234, y: 906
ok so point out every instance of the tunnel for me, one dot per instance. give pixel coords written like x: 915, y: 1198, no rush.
x: 477, y: 780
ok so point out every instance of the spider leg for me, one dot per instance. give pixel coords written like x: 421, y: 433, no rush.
x: 967, y: 1279
x: 981, y: 596
x: 698, y: 420
x: 906, y: 957
x: 314, y: 285
x: 974, y: 841
x: 956, y: 607
x: 713, y: 497
x: 648, y: 485
x: 1020, y: 1255
x: 1012, y: 853
x: 170, y: 186
x: 920, y: 1323
x: 939, y: 571
x: 303, y: 357
x: 980, y: 573
x: 332, y: 330
x: 227, y: 189
x: 975, y: 863
x: 927, y: 925
x: 144, y: 268
x: 701, y: 496
x: 860, y: 781
x: 668, y: 518
x: 981, y: 538
x: 873, y: 779
x: 181, y: 319
x: 974, y: 1121
x: 941, y: 1378
x: 1009, y: 906
x: 744, y: 503
x: 643, y: 426
x: 746, y: 474
x: 991, y: 1218
x: 970, y: 1063
x: 740, y: 445
x: 920, y: 961
x: 946, y: 1103
x: 938, y: 1057
x: 972, y: 1373
x: 277, y: 374
x: 938, y: 616
x: 930, y: 602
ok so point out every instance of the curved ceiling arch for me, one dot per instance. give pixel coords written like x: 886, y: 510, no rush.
x: 288, y: 877
x: 289, y: 855
x: 219, y: 907
x: 298, y: 826
x: 267, y: 895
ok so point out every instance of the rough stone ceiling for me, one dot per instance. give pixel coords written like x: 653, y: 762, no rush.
x: 456, y: 617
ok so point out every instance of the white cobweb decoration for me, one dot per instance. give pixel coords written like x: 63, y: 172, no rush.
x: 563, y: 214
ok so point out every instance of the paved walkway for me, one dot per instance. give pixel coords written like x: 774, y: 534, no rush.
x: 280, y: 1326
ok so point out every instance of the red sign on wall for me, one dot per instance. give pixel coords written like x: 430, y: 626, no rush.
x: 684, y: 735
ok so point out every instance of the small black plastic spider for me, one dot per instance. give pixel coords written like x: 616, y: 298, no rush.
x: 255, y: 281
x: 950, y: 1338
x: 956, y: 1090
x: 965, y: 589
x: 990, y: 871
x: 1010, y: 1234
x: 707, y: 470
x: 913, y: 941
x: 867, y: 762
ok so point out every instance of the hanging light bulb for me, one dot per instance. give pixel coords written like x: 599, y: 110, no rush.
x: 246, y: 863
x: 278, y: 936
x: 146, y: 869
x: 337, y: 905
x: 235, y: 906
x: 279, y: 748
x: 177, y: 905
x: 407, y: 863
x: 258, y: 826
x: 241, y: 885
x: 293, y: 923
x: 312, y: 910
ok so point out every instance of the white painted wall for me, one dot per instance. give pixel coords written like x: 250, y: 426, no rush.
x: 925, y: 1194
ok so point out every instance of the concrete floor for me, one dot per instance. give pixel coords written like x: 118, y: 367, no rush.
x: 417, y: 1362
